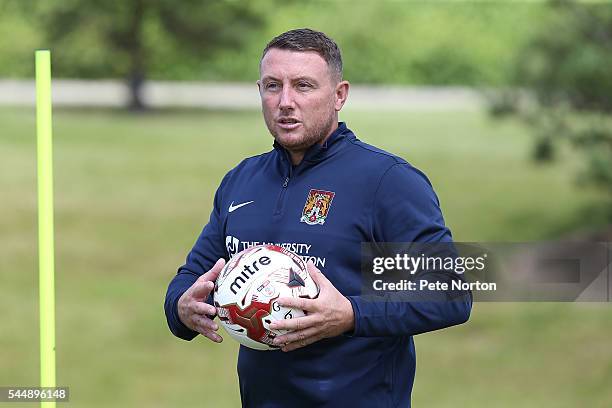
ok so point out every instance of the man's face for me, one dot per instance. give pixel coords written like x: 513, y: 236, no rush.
x: 299, y: 98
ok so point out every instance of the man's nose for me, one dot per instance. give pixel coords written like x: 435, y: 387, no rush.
x: 286, y: 100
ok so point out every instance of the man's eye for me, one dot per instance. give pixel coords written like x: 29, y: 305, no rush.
x: 304, y: 85
x: 272, y: 86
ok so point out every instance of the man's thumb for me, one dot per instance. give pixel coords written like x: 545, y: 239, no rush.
x: 316, y: 274
x: 213, y: 273
x: 205, y: 283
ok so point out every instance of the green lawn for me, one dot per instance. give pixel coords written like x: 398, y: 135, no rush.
x: 132, y: 193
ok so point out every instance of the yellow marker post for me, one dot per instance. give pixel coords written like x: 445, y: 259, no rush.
x: 45, y: 221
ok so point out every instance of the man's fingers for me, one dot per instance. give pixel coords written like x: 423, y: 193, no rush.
x: 211, y: 335
x: 201, y: 289
x: 202, y: 308
x: 298, y: 303
x: 299, y: 323
x: 296, y: 336
x: 204, y: 323
x: 302, y: 343
x: 297, y: 339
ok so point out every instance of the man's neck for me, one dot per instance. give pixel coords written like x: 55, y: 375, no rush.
x: 298, y: 155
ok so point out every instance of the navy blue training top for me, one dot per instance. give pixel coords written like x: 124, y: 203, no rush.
x: 343, y: 193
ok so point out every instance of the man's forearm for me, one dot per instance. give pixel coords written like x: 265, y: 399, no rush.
x: 395, y: 314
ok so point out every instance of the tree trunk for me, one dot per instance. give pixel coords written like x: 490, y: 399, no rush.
x: 135, y: 48
x: 135, y: 83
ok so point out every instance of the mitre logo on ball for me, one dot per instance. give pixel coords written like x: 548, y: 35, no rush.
x: 247, y: 290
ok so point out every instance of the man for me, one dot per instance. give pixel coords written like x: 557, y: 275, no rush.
x: 321, y: 192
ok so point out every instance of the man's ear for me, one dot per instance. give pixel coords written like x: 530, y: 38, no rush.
x: 259, y: 85
x: 341, y: 94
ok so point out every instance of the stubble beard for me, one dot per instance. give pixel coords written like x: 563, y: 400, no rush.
x: 311, y: 135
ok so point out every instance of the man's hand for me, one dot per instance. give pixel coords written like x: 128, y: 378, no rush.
x: 193, y: 310
x: 329, y: 315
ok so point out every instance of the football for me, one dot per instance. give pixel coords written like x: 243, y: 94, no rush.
x: 248, y: 286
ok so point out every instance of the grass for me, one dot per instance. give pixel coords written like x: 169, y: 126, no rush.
x: 132, y: 193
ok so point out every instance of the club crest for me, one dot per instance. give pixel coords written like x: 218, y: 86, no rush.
x: 317, y: 207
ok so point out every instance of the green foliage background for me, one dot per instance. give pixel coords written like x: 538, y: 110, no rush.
x: 567, y: 67
x: 466, y: 43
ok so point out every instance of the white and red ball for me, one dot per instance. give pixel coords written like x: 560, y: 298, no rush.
x: 247, y: 289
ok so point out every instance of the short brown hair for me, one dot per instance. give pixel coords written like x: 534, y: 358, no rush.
x: 305, y: 39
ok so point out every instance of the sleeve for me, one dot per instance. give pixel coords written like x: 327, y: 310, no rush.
x: 208, y: 248
x: 407, y: 210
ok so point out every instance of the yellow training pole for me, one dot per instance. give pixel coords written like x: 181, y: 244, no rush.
x: 45, y: 221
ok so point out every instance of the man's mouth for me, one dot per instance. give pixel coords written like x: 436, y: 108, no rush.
x: 288, y: 123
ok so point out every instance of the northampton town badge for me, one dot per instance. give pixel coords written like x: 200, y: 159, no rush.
x: 317, y: 207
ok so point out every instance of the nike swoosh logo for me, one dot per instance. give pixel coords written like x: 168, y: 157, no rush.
x: 233, y: 207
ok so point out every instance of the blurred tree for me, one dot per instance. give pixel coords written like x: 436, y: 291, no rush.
x: 416, y: 43
x: 566, y: 71
x: 127, y: 30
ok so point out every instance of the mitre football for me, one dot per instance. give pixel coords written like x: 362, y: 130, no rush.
x: 247, y: 290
